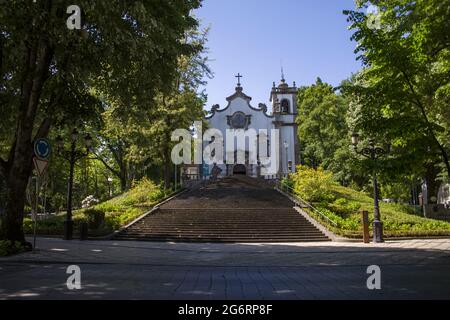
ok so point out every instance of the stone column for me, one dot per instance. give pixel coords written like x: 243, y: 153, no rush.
x: 278, y: 124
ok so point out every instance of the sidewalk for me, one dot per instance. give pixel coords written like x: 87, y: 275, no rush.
x: 145, y: 270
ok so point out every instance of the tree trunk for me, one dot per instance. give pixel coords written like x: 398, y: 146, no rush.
x: 167, y: 175
x: 12, y: 221
x: 432, y: 184
x: 167, y: 165
x: 122, y: 174
x: 123, y: 181
x: 19, y: 165
x: 17, y: 180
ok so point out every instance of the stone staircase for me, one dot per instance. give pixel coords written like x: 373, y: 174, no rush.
x: 229, y: 211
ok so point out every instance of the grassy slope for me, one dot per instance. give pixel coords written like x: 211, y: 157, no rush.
x: 118, y: 211
x: 398, y: 220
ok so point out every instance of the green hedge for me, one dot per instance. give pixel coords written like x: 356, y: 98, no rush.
x: 8, y: 248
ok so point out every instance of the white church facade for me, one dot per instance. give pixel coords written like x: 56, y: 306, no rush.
x: 239, y: 114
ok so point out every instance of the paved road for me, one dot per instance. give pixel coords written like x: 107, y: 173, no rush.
x: 140, y: 270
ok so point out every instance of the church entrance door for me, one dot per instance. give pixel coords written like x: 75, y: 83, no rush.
x: 239, y: 169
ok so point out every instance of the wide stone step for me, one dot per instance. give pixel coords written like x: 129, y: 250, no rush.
x: 230, y: 240
x: 289, y: 218
x: 226, y: 214
x: 223, y: 222
x: 225, y: 235
x: 219, y: 233
x: 247, y: 209
x: 228, y: 232
x: 225, y: 211
x: 218, y: 227
x: 221, y: 227
x: 213, y: 239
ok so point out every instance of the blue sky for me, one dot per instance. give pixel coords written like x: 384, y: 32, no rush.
x: 309, y: 37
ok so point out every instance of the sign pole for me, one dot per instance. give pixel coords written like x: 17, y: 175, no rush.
x: 35, y: 213
x: 42, y: 152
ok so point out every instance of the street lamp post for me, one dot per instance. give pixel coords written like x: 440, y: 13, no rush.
x: 372, y: 152
x: 176, y: 178
x: 72, y: 155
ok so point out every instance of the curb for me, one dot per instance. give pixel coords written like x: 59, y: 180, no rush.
x: 416, y: 238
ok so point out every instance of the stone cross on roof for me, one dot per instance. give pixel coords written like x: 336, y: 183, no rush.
x: 239, y: 79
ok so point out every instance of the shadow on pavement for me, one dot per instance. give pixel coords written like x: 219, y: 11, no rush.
x: 147, y: 270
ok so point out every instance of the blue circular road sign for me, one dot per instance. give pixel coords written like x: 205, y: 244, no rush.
x: 42, y: 149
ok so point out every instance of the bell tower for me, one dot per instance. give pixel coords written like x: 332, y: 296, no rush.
x: 284, y: 110
x: 284, y: 98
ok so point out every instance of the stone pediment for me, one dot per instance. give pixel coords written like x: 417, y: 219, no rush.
x: 239, y: 94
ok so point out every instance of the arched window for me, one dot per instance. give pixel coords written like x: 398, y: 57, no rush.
x: 285, y: 106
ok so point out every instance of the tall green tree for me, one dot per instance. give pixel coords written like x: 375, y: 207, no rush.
x: 321, y: 118
x: 402, y: 95
x: 179, y: 107
x: 323, y: 131
x: 143, y: 139
x: 129, y: 48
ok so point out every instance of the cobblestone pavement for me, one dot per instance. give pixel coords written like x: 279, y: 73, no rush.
x: 145, y: 270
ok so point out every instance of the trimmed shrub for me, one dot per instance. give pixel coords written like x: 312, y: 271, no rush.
x: 50, y: 226
x: 313, y: 185
x: 344, y: 207
x: 8, y: 247
x: 95, y: 218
